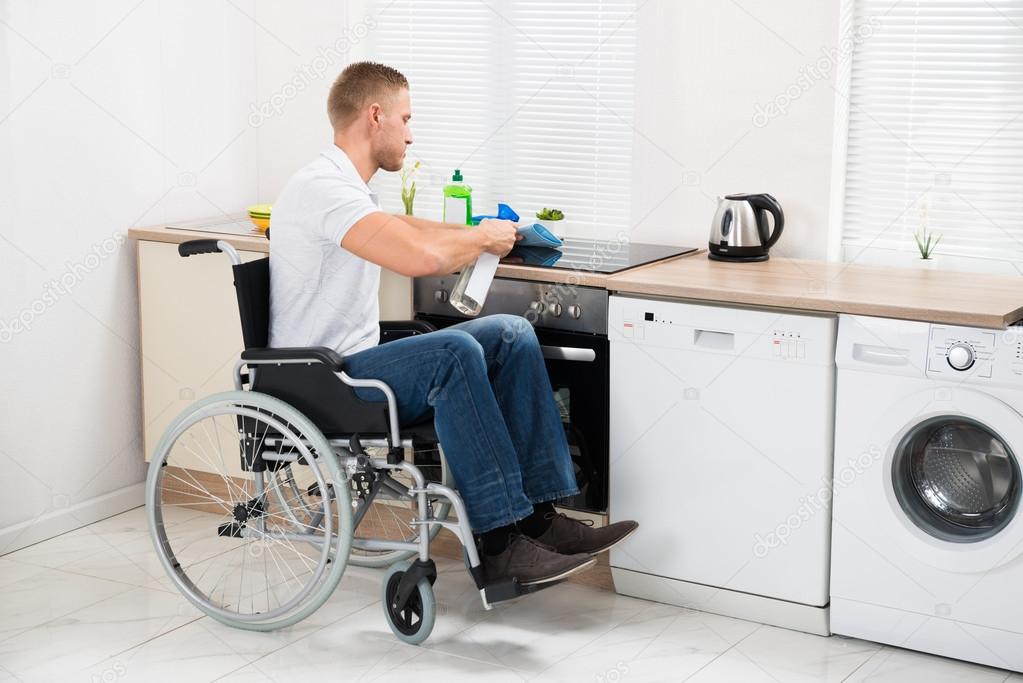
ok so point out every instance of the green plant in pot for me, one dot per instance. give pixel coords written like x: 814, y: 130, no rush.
x: 408, y: 187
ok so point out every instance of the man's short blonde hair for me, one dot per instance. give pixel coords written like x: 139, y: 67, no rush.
x: 360, y: 84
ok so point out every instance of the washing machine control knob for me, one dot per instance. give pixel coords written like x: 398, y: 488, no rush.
x: 960, y: 356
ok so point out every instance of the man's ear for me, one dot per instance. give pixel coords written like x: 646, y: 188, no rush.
x: 375, y: 112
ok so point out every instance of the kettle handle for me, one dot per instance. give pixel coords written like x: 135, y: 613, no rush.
x: 765, y: 202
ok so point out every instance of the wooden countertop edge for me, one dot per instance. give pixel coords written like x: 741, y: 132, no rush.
x: 177, y: 236
x: 798, y: 303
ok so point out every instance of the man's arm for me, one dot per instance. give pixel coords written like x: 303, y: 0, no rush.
x: 432, y: 248
x: 417, y: 222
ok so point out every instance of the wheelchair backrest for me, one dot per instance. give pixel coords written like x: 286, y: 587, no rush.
x: 252, y: 285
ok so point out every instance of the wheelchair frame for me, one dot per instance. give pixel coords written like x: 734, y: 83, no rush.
x: 351, y: 459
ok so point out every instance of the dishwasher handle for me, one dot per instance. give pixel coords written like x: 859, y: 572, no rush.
x: 568, y: 353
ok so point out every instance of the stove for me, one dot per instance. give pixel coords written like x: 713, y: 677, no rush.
x: 571, y: 325
x: 595, y: 256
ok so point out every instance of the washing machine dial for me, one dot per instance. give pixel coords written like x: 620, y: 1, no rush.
x: 960, y: 356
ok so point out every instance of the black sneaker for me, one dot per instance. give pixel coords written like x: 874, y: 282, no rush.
x: 531, y: 562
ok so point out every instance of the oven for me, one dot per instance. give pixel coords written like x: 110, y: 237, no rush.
x: 571, y: 326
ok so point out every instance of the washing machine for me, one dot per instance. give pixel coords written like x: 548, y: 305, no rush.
x: 927, y: 534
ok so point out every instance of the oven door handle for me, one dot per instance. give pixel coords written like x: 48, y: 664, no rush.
x: 568, y: 353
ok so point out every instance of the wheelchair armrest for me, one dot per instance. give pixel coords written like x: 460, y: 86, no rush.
x: 296, y: 354
x: 391, y: 330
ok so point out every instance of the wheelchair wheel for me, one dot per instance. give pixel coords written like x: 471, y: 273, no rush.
x: 414, y: 622
x: 239, y: 558
x: 389, y: 516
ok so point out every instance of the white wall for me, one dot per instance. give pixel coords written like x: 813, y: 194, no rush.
x: 704, y: 67
x: 118, y: 114
x: 112, y: 114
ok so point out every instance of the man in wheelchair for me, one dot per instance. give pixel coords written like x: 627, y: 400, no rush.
x: 483, y: 380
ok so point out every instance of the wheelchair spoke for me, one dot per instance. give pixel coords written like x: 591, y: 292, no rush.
x: 259, y: 556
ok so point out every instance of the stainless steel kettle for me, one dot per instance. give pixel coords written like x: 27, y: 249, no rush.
x: 740, y: 230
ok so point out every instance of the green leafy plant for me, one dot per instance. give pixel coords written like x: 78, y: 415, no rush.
x: 546, y: 214
x: 408, y: 187
x: 926, y: 242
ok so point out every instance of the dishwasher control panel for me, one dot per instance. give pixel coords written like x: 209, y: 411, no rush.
x: 750, y: 333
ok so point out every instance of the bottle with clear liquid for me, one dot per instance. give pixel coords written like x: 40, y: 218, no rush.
x: 470, y: 290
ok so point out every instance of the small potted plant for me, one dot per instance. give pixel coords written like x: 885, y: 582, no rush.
x: 926, y: 243
x: 553, y: 220
x: 926, y: 240
x: 408, y: 187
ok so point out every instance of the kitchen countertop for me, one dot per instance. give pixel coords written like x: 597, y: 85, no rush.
x: 992, y: 301
x: 256, y: 242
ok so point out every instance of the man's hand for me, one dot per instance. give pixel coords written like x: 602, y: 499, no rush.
x: 500, y: 236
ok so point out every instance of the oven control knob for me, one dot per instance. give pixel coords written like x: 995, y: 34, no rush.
x: 575, y: 311
x: 960, y: 356
x: 555, y: 309
x: 441, y: 295
x: 537, y: 306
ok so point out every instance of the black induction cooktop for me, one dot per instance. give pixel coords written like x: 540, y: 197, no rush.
x: 596, y: 256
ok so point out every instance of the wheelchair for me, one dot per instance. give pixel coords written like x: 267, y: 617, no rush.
x: 258, y: 498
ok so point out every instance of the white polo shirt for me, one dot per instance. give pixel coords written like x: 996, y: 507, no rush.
x: 320, y: 293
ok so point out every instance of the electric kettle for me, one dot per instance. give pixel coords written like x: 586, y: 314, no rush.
x: 740, y: 230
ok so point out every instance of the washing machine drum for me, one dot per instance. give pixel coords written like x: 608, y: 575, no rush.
x: 956, y: 479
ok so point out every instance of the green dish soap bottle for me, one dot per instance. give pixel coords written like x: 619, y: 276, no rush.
x: 457, y: 201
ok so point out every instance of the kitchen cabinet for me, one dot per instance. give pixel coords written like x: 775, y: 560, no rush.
x: 190, y: 335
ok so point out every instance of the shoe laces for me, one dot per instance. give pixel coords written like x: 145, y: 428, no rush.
x: 552, y: 515
x: 538, y: 544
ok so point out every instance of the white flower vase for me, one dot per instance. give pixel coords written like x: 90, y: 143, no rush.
x: 926, y: 263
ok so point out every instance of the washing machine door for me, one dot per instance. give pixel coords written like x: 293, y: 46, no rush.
x: 954, y: 482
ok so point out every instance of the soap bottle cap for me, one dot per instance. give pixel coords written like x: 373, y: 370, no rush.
x: 457, y: 177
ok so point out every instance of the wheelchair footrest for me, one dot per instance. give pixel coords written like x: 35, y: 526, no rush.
x: 509, y: 589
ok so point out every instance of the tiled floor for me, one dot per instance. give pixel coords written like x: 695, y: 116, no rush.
x: 93, y: 605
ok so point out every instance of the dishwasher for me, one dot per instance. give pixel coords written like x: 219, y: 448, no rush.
x: 721, y: 438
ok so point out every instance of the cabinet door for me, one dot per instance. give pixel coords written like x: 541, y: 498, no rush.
x: 190, y: 334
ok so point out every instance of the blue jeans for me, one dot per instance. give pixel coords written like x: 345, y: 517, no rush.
x: 493, y: 410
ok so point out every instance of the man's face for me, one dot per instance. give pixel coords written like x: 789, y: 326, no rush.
x: 394, y: 134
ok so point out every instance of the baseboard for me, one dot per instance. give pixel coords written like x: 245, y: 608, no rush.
x: 758, y: 608
x: 70, y: 518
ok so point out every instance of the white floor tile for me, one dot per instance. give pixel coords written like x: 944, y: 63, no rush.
x: 11, y: 571
x: 49, y: 594
x: 906, y: 666
x: 110, y: 613
x: 794, y: 656
x: 190, y: 653
x: 537, y: 631
x: 659, y: 639
x: 74, y: 545
x: 64, y: 647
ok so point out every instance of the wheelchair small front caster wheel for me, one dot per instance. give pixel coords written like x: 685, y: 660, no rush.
x: 414, y: 622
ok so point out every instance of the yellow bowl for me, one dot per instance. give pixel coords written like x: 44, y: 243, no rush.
x: 262, y: 224
x: 260, y: 209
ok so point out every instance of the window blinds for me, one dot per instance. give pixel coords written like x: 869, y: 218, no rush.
x: 935, y: 132
x: 532, y: 100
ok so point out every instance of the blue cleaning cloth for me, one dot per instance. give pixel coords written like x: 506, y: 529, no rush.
x: 536, y: 235
x: 533, y: 234
x: 533, y: 256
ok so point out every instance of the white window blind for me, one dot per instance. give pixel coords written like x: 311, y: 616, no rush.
x: 532, y: 100
x: 936, y: 127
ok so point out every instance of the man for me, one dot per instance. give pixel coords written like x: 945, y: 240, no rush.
x: 484, y: 380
